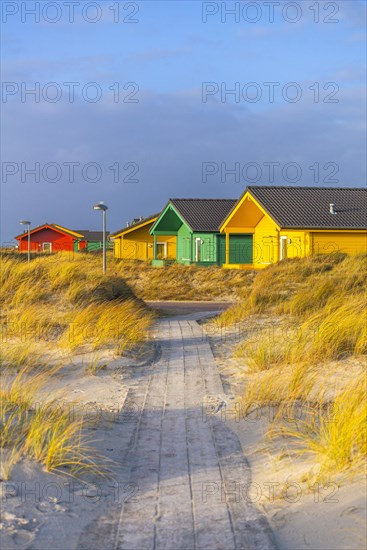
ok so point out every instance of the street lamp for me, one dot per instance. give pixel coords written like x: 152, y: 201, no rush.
x: 101, y: 206
x: 25, y: 222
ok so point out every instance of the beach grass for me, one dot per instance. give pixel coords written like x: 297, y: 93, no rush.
x: 314, y: 356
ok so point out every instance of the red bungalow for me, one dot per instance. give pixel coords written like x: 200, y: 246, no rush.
x: 48, y: 238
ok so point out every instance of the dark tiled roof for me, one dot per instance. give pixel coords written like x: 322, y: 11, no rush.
x: 203, y: 214
x: 132, y: 225
x: 309, y: 207
x: 91, y: 235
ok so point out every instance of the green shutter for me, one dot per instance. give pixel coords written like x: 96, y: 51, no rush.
x: 240, y: 249
x: 183, y: 244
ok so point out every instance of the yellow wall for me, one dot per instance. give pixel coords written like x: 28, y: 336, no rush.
x: 138, y: 245
x: 171, y: 245
x: 134, y: 245
x: 250, y: 218
x: 265, y: 249
x: 297, y: 243
x: 341, y: 241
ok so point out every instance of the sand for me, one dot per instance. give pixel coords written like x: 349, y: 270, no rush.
x: 302, y: 515
x: 42, y: 510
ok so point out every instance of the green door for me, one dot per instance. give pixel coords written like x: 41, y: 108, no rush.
x: 240, y: 249
x: 221, y: 249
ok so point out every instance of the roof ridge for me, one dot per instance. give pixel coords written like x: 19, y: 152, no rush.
x: 304, y: 187
x: 200, y: 199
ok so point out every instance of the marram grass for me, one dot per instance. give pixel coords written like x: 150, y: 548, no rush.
x: 52, y: 307
x: 65, y: 304
x: 337, y: 437
x: 39, y: 430
x: 319, y: 310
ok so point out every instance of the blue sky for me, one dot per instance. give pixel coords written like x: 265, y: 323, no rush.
x: 163, y: 138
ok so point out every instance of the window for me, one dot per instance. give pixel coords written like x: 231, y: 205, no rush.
x: 161, y: 253
x: 283, y: 247
x: 47, y: 247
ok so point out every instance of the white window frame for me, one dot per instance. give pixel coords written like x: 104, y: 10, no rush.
x: 198, y: 241
x: 283, y: 238
x: 43, y: 246
x: 164, y: 249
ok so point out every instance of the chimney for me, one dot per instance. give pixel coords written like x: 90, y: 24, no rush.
x: 127, y: 224
x: 332, y: 209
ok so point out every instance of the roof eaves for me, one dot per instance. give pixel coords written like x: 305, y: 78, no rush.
x: 141, y: 223
x: 158, y: 218
x: 69, y: 231
x: 264, y: 207
x: 325, y: 228
x: 59, y: 229
x: 171, y: 201
x: 182, y: 218
x: 233, y: 208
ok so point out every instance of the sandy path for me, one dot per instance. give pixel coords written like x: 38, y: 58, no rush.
x: 183, y: 462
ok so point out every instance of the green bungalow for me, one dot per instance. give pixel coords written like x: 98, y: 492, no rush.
x: 193, y: 228
x: 90, y: 241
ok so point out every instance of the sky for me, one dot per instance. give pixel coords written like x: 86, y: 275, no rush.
x: 134, y: 103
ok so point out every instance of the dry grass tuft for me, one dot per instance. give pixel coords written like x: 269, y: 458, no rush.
x: 65, y: 304
x: 319, y: 311
x: 336, y: 437
x: 52, y: 306
x: 41, y: 431
x: 179, y: 282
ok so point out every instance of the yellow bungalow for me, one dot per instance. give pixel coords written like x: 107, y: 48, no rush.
x: 270, y: 223
x: 134, y: 241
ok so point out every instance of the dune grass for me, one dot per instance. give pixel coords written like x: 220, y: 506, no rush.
x: 52, y: 308
x: 323, y: 317
x: 41, y: 431
x: 65, y: 304
x: 61, y: 304
x: 337, y: 437
x: 318, y: 309
x: 317, y: 306
x: 335, y: 331
x: 180, y: 282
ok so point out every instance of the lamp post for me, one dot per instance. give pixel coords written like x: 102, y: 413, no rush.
x: 26, y: 222
x: 101, y: 206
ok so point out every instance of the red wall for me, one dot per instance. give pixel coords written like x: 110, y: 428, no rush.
x: 59, y: 241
